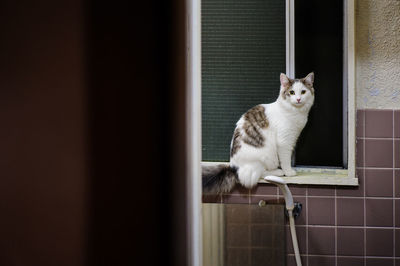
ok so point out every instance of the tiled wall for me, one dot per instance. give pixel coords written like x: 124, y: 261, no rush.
x: 344, y: 226
x: 255, y: 235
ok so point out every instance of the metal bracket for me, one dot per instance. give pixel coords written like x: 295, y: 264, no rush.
x: 296, y: 211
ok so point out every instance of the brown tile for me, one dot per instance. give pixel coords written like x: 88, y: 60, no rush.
x: 267, y: 214
x: 350, y: 211
x: 396, y: 153
x: 321, y: 191
x: 296, y: 190
x: 238, y: 256
x: 379, y: 212
x: 318, y: 261
x: 237, y: 235
x: 301, y: 232
x: 360, y: 123
x: 321, y: 241
x: 211, y: 198
x: 397, y: 242
x: 321, y: 211
x: 350, y: 241
x: 265, y: 256
x: 397, y: 123
x: 379, y: 123
x: 236, y: 213
x: 379, y: 262
x: 379, y: 242
x: 353, y: 191
x: 291, y: 260
x: 255, y: 199
x: 378, y: 182
x: 235, y: 199
x: 360, y: 152
x: 342, y: 261
x: 397, y: 183
x: 263, y: 235
x: 264, y: 189
x: 302, y: 219
x: 378, y: 153
x: 239, y: 190
x: 397, y: 212
x: 279, y: 217
x: 397, y: 262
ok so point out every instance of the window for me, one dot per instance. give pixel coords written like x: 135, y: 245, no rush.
x: 319, y: 47
x: 246, y: 44
x: 243, y: 53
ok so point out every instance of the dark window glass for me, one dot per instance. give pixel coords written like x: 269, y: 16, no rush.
x: 319, y: 48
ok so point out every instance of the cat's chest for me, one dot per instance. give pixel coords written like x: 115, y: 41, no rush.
x: 295, y: 121
x: 288, y: 128
x: 284, y: 122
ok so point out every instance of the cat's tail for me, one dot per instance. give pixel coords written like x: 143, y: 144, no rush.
x: 219, y: 178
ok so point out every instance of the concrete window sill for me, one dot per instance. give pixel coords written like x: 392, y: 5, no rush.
x: 315, y: 176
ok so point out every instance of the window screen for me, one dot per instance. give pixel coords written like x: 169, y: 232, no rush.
x: 243, y: 53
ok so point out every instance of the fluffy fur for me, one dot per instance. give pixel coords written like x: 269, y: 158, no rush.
x: 264, y: 138
x: 219, y: 179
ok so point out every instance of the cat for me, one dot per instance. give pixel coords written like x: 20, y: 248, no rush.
x: 264, y: 138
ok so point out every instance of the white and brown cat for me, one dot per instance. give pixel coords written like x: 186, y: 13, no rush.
x: 264, y: 138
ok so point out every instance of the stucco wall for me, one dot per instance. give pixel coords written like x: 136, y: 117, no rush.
x: 378, y: 54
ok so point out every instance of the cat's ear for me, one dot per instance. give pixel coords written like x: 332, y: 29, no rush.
x: 285, y: 81
x: 285, y: 84
x: 309, y: 80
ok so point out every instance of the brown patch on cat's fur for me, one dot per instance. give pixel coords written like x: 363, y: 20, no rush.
x: 255, y: 120
x: 309, y: 82
x: 235, y: 142
x: 305, y: 83
x: 287, y: 89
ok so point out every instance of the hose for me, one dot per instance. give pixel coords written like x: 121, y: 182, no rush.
x: 289, y: 207
x: 294, y: 238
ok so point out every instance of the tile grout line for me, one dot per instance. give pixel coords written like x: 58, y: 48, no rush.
x: 336, y: 229
x: 381, y: 138
x: 348, y: 226
x: 393, y: 194
x: 364, y: 165
x: 307, y: 226
x: 377, y: 168
x: 326, y: 197
x: 347, y: 256
x: 341, y: 197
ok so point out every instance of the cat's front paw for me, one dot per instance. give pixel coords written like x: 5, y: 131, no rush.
x: 290, y: 172
x: 276, y: 172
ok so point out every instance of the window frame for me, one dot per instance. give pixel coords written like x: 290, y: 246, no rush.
x: 318, y: 175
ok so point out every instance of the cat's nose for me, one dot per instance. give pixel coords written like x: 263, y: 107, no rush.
x: 298, y: 100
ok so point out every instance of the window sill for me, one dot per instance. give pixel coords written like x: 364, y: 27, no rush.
x: 320, y: 176
x: 315, y: 176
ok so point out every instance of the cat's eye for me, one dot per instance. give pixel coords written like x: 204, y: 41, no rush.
x: 303, y: 91
x: 291, y: 92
